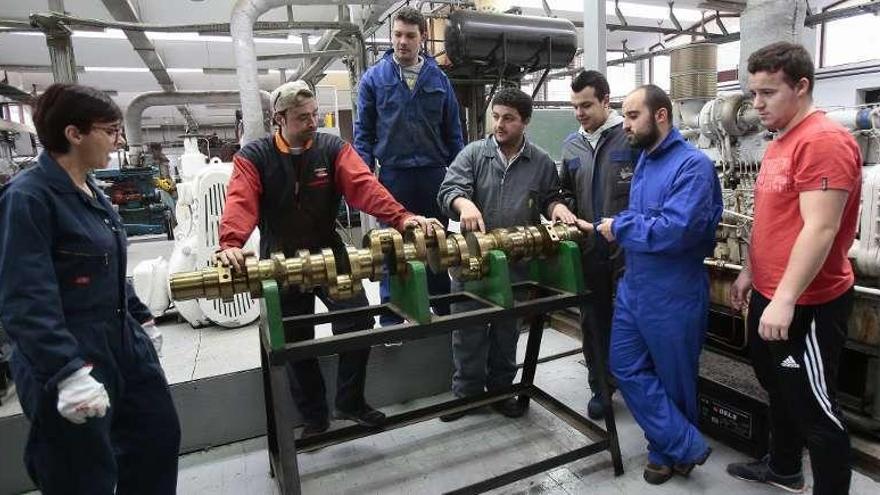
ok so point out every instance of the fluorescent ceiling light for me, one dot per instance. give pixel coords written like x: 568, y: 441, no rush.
x: 629, y: 9
x: 173, y: 70
x: 107, y: 34
x: 116, y: 69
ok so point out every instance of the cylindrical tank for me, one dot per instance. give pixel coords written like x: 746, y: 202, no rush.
x: 693, y: 72
x: 476, y: 38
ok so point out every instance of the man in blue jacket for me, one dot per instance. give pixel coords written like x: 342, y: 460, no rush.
x: 661, y: 310
x: 408, y: 121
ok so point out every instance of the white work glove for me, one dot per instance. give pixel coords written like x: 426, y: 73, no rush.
x: 81, y: 397
x: 154, y: 334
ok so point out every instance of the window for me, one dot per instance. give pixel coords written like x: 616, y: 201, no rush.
x: 850, y: 40
x: 660, y: 72
x: 621, y: 79
x: 728, y: 56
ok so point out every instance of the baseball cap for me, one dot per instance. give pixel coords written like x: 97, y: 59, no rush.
x: 285, y: 96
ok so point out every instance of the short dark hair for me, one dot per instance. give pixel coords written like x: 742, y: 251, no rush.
x: 411, y: 15
x: 656, y: 98
x: 794, y: 60
x: 516, y: 99
x: 593, y: 79
x: 62, y: 105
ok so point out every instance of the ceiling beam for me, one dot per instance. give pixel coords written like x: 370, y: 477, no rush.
x: 831, y: 15
x: 35, y: 68
x: 207, y: 28
x: 811, y: 20
x: 121, y: 10
x: 306, y: 55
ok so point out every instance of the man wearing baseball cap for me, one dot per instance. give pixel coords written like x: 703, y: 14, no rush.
x: 290, y: 185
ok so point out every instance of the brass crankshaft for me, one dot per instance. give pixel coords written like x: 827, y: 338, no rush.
x: 383, y: 250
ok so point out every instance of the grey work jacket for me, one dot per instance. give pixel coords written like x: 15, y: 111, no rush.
x: 506, y: 196
x: 616, y: 161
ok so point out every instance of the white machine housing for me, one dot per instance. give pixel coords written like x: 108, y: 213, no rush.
x: 201, y: 196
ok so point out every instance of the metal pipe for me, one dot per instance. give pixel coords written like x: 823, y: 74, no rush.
x: 860, y: 289
x: 241, y: 26
x: 135, y: 110
x: 833, y: 15
x: 810, y: 20
x: 307, y: 55
x: 214, y: 27
x: 334, y: 40
x: 60, y: 47
x: 738, y: 215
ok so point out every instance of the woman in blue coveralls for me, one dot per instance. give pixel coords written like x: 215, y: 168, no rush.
x: 87, y: 374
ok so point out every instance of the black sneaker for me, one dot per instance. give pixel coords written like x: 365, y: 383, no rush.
x: 509, y: 407
x: 313, y: 428
x: 685, y: 469
x: 657, y: 474
x: 760, y: 471
x: 365, y: 416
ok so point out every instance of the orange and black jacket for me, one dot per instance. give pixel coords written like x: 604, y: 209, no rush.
x: 295, y: 198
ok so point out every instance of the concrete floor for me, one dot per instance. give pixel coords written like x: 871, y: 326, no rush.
x: 434, y: 457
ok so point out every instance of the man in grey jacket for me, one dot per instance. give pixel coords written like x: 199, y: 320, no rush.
x: 500, y: 181
x: 597, y: 168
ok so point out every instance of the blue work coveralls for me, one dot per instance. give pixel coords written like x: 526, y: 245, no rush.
x: 661, y: 310
x: 414, y: 134
x: 65, y: 302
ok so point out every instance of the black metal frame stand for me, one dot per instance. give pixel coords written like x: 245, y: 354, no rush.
x: 533, y: 303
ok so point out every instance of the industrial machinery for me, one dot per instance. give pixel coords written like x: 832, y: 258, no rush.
x: 728, y: 130
x: 133, y: 192
x: 477, y: 49
x: 17, y: 149
x: 201, y: 196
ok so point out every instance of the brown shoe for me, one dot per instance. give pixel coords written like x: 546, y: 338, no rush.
x: 657, y: 474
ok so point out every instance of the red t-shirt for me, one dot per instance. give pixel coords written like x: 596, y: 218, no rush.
x: 816, y: 154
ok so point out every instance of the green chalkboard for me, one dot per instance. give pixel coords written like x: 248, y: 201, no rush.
x: 549, y: 127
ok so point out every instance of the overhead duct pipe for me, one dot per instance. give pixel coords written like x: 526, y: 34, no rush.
x: 767, y: 21
x: 135, y: 110
x: 241, y: 27
x: 326, y: 42
x: 368, y: 17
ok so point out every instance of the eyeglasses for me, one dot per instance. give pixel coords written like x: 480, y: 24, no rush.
x: 111, y: 130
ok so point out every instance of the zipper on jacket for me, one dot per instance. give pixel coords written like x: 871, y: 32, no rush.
x: 298, y: 174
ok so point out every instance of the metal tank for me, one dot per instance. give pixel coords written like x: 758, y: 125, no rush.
x: 521, y: 42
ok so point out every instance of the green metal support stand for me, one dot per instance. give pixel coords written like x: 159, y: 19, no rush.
x: 409, y: 292
x: 270, y: 315
x: 495, y: 286
x: 563, y: 271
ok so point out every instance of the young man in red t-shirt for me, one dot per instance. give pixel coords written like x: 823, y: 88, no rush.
x: 801, y: 282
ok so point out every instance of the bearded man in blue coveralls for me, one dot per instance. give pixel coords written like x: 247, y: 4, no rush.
x: 408, y: 120
x: 661, y: 311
